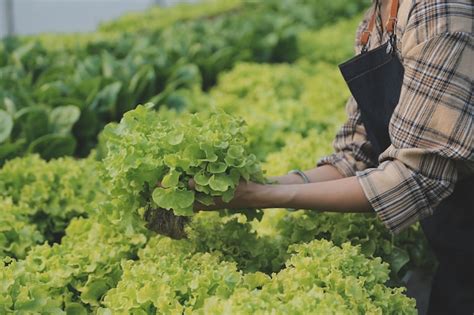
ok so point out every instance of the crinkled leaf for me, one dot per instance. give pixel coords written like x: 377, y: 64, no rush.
x: 228, y: 195
x: 235, y: 151
x: 75, y: 309
x: 171, y: 179
x: 169, y: 198
x: 94, y: 291
x: 175, y: 137
x: 220, y: 182
x: 202, y: 178
x: 205, y: 199
x: 217, y: 167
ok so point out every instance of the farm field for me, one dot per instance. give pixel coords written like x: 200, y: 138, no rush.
x: 216, y: 92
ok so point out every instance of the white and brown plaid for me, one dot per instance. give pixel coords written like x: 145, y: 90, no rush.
x: 431, y: 129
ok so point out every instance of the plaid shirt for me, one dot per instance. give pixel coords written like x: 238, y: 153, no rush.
x: 431, y: 129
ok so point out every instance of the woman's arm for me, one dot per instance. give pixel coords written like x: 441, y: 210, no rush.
x: 340, y: 195
x: 318, y: 174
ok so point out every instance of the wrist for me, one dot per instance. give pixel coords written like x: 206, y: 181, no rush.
x: 289, y: 179
x: 271, y: 196
x: 300, y: 174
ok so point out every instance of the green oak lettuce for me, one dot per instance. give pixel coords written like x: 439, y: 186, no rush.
x: 47, y: 195
x: 67, y: 278
x: 182, y: 280
x: 17, y: 234
x: 319, y: 278
x: 145, y: 149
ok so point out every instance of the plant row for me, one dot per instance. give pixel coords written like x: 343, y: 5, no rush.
x: 54, y: 101
x: 99, y: 267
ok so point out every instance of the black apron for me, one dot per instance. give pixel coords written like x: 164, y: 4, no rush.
x: 375, y: 80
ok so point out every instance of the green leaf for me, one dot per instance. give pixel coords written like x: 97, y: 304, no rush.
x: 202, y: 178
x: 228, y: 195
x: 255, y: 280
x: 186, y: 76
x: 171, y: 160
x: 210, y: 153
x: 106, y: 99
x: 203, y: 189
x: 171, y: 179
x: 184, y: 198
x: 9, y: 150
x: 93, y: 291
x: 217, y: 167
x: 6, y: 125
x: 169, y: 198
x: 53, y: 146
x: 9, y: 105
x: 175, y: 137
x: 204, y: 199
x: 235, y: 152
x: 234, y: 175
x: 145, y: 294
x: 63, y: 118
x: 220, y: 182
x: 194, y: 153
x: 222, y: 145
x: 33, y: 122
x: 398, y: 258
x: 234, y: 162
x: 75, y: 309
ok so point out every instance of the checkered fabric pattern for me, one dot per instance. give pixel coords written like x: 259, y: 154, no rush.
x: 431, y: 129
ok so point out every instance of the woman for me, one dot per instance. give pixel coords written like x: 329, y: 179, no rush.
x: 406, y: 151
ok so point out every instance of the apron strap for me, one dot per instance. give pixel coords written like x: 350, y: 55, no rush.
x: 392, y: 21
x: 364, y: 38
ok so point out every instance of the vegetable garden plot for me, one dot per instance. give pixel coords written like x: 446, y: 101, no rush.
x: 258, y: 120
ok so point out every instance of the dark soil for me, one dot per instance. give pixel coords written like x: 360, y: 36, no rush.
x: 165, y: 222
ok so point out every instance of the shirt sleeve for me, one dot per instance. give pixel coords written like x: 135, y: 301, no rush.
x: 353, y: 152
x: 431, y: 131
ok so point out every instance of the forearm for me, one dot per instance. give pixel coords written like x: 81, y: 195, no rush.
x: 315, y: 175
x: 340, y: 195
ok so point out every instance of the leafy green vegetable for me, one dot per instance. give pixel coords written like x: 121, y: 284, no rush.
x: 73, y: 275
x: 318, y: 278
x: 183, y: 279
x: 47, y: 195
x: 17, y: 234
x: 144, y: 149
x: 286, y: 99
